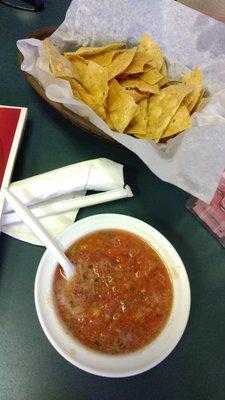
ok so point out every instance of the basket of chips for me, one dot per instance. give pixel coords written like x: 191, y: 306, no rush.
x: 129, y: 88
x: 152, y: 91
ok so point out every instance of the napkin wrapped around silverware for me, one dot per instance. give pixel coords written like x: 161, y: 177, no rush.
x: 195, y: 159
x: 56, y: 196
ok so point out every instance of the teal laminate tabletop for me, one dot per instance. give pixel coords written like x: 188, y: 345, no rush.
x: 30, y: 368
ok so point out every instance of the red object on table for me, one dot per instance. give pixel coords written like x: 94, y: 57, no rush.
x: 212, y: 215
x: 9, y: 118
x: 12, y: 121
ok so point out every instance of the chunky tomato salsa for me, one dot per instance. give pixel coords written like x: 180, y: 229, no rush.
x: 121, y: 295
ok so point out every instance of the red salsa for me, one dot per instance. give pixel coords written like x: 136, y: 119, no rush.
x: 121, y: 295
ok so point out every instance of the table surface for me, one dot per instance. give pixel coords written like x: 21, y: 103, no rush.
x: 30, y: 367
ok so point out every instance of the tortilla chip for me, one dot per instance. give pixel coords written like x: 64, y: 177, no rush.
x: 166, y: 81
x: 109, y: 122
x: 93, y: 78
x: 180, y: 121
x: 59, y: 65
x: 80, y: 64
x: 81, y: 94
x: 141, y: 58
x: 152, y: 76
x: 87, y: 51
x: 194, y: 78
x: 95, y: 81
x: 148, y: 45
x: 137, y: 96
x: 120, y: 62
x: 138, y: 124
x: 200, y: 102
x: 120, y: 106
x: 137, y: 83
x: 163, y: 81
x: 104, y: 59
x: 162, y: 107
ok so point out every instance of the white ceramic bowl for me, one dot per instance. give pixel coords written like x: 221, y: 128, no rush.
x: 95, y: 362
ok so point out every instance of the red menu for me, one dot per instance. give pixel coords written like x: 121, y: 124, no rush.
x: 12, y: 121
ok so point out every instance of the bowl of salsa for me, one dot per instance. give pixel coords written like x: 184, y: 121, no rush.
x: 127, y: 305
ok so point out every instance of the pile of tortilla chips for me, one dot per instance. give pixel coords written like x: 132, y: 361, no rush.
x: 130, y: 88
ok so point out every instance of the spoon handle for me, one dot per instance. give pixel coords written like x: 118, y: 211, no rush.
x: 69, y: 205
x: 37, y: 228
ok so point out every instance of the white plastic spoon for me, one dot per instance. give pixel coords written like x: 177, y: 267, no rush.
x: 37, y: 228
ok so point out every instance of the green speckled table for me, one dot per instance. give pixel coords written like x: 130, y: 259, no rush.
x: 30, y: 368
